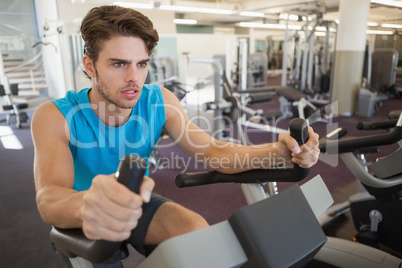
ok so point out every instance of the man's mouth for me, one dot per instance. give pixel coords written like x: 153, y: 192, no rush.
x: 130, y: 93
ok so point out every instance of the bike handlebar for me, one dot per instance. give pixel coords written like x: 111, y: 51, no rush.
x: 376, y: 125
x: 298, y: 130
x: 73, y: 243
x: 353, y: 144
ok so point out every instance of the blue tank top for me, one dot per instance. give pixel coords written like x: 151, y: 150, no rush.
x: 97, y: 148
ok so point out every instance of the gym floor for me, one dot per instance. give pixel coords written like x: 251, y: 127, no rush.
x: 25, y: 238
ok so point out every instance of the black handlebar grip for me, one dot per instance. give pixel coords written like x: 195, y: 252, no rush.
x: 72, y: 242
x: 131, y: 172
x: 376, y: 125
x: 298, y: 129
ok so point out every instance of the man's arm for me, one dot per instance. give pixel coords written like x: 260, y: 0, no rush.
x: 108, y: 210
x: 229, y: 157
x: 57, y: 202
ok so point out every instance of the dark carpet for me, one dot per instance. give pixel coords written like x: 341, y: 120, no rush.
x: 25, y: 238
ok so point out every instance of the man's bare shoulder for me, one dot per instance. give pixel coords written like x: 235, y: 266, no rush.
x: 47, y: 119
x: 47, y: 111
x: 168, y: 95
x: 173, y: 106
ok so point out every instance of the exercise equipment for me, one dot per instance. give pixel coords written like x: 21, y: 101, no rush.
x: 14, y: 111
x: 336, y: 252
x: 213, y: 104
x: 307, y: 58
x: 250, y: 69
x: 236, y: 107
x: 205, y: 78
x: 306, y: 70
x: 7, y: 91
x: 130, y: 173
x: 236, y: 242
x: 384, y: 66
x: 258, y: 67
x: 162, y: 71
x: 294, y: 103
x: 380, y: 82
x: 376, y: 209
x: 247, y: 238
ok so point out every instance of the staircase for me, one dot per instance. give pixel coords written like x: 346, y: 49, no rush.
x: 29, y: 76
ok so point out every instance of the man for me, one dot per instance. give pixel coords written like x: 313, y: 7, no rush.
x: 80, y: 139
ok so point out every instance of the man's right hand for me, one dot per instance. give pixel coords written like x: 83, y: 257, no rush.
x: 110, y: 210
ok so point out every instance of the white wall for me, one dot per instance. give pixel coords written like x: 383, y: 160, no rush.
x: 204, y: 46
x: 69, y: 12
x: 59, y: 66
x: 54, y: 64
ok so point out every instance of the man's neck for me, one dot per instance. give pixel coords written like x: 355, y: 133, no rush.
x: 108, y: 113
x: 113, y: 118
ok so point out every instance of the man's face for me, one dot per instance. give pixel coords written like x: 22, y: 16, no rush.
x: 120, y: 71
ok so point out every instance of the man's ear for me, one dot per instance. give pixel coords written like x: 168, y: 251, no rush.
x: 89, y: 66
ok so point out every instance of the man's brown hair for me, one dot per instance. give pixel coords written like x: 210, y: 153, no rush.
x: 104, y: 22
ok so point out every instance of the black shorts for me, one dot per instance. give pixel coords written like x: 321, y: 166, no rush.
x: 138, y: 234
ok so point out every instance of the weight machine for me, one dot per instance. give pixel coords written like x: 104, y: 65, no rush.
x: 310, y: 56
x: 162, y: 71
x: 14, y: 111
x: 226, y: 106
x: 251, y: 69
x: 14, y: 115
x: 309, y: 70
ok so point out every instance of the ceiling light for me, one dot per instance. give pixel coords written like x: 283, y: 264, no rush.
x: 285, y: 16
x: 184, y: 21
x: 251, y: 14
x: 387, y: 3
x: 134, y: 5
x: 319, y: 33
x: 320, y: 28
x: 268, y: 26
x: 178, y: 8
x: 195, y: 9
x: 379, y: 32
x: 324, y: 29
x: 387, y: 25
x: 215, y: 11
x: 372, y: 24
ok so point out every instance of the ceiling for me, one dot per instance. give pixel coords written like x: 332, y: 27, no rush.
x: 273, y: 8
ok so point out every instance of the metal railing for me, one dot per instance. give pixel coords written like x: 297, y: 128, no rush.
x: 30, y: 66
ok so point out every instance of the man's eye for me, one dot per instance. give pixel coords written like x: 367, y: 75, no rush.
x: 119, y: 64
x: 143, y: 65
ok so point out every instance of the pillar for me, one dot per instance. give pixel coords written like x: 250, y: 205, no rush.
x: 349, y: 56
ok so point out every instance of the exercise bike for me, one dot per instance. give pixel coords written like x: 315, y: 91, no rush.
x: 376, y: 208
x: 280, y: 231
